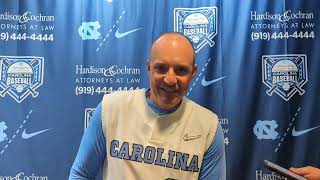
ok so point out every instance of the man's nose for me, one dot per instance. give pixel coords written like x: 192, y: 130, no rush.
x: 170, y: 78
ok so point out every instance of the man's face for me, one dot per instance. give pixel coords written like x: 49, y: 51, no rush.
x: 171, y: 69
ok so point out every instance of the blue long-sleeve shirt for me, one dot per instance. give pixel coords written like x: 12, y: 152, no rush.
x: 92, y: 151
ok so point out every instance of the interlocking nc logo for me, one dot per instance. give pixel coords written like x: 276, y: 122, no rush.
x: 266, y: 129
x: 89, y: 30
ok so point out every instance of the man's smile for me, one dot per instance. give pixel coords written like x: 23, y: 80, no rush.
x: 169, y: 90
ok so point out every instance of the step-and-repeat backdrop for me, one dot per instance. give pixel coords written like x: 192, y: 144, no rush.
x: 259, y: 66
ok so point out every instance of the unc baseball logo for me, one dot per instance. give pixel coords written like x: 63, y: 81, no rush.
x: 265, y: 129
x: 198, y: 24
x: 20, y: 76
x: 89, y: 30
x: 285, y: 74
x: 87, y: 116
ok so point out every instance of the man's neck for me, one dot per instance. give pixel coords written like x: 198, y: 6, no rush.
x: 157, y: 109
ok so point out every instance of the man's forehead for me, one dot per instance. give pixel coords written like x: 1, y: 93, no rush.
x: 173, y: 46
x: 173, y: 39
x: 171, y: 62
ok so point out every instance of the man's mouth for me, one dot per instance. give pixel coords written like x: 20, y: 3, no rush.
x: 169, y: 90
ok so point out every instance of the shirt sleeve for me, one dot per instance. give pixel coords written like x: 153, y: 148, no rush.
x: 92, y: 150
x: 213, y: 164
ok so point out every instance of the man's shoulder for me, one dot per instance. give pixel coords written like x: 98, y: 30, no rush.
x: 203, y: 112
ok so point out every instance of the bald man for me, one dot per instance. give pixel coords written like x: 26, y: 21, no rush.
x: 156, y: 133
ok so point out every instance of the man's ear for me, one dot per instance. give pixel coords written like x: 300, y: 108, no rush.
x: 194, y: 70
x: 148, y: 65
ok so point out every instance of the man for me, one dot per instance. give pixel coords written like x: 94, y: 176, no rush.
x: 158, y: 133
x: 309, y: 172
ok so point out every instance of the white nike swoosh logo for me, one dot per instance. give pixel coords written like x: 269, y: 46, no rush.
x: 121, y: 35
x: 299, y: 133
x: 186, y: 137
x: 30, y: 135
x: 207, y: 83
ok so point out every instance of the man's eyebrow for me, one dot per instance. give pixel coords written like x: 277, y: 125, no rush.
x: 182, y: 65
x: 160, y: 63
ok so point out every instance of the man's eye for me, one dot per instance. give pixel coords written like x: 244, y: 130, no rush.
x: 160, y: 68
x: 182, y: 71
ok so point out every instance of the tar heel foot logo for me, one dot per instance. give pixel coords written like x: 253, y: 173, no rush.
x: 20, y: 76
x: 88, y: 113
x: 198, y: 24
x: 89, y: 30
x: 285, y: 74
x: 266, y: 129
